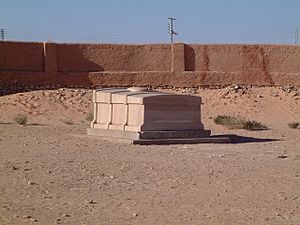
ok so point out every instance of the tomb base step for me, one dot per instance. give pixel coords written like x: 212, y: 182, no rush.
x: 159, y: 137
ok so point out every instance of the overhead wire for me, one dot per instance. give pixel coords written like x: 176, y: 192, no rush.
x: 142, y: 33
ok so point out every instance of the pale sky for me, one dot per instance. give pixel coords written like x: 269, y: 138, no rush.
x: 145, y: 21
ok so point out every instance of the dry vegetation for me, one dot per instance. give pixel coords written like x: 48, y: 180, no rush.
x: 89, y: 117
x: 294, y: 125
x: 21, y: 119
x: 239, y: 123
x: 68, y: 121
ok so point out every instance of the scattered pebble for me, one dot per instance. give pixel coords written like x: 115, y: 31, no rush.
x: 26, y: 217
x: 297, y: 157
x: 289, y: 89
x: 31, y: 183
x: 92, y: 202
x: 14, y: 168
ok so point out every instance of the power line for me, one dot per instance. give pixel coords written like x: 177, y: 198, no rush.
x: 92, y: 30
x: 297, y: 36
x: 152, y: 35
x: 2, y: 34
x: 171, y: 29
x: 81, y: 34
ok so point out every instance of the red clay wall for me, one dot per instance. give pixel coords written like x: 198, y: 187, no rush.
x: 178, y: 65
x: 229, y: 58
x: 109, y: 57
x: 246, y: 64
x: 18, y: 56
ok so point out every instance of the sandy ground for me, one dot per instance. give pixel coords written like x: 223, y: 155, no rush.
x: 52, y: 173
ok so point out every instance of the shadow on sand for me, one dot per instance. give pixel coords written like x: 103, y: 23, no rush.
x: 5, y: 123
x: 236, y: 139
x: 27, y: 124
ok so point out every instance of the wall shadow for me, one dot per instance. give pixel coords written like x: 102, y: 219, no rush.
x: 237, y: 139
x: 70, y: 58
x: 189, y: 58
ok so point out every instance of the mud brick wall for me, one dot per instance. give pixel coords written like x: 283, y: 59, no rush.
x: 179, y: 64
x: 18, y: 56
x: 228, y: 58
x: 109, y: 57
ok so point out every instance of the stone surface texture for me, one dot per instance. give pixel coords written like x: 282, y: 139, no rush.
x: 122, y: 109
x: 143, y: 114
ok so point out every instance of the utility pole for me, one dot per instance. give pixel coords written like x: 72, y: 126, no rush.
x: 171, y: 29
x: 2, y: 34
x: 297, y: 36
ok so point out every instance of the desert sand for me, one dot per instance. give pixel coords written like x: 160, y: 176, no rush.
x: 51, y: 172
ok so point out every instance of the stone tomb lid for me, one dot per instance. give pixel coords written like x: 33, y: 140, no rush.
x: 127, y: 96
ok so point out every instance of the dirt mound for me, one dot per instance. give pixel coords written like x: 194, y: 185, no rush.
x: 275, y: 106
x: 49, y: 106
